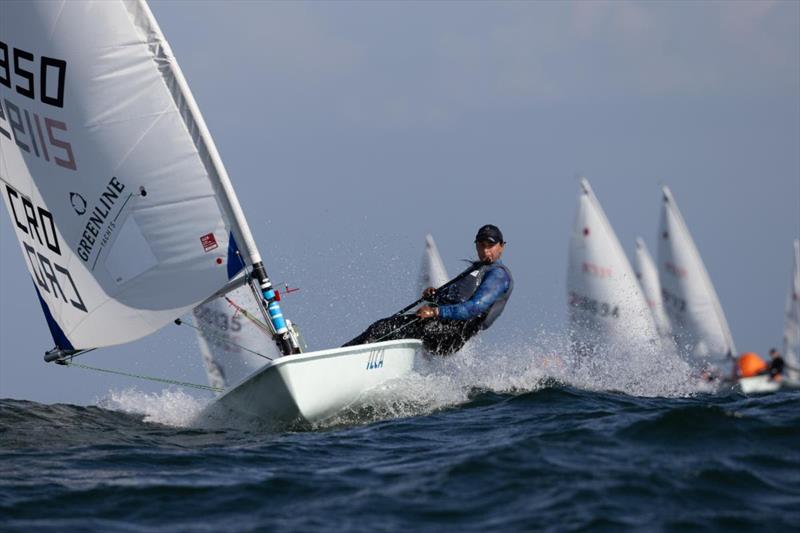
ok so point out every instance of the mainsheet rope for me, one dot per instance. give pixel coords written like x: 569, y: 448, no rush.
x: 179, y: 322
x: 148, y: 378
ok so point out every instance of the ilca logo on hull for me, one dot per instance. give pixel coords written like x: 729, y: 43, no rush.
x: 375, y: 359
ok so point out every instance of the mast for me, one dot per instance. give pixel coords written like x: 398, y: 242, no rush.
x: 268, y: 303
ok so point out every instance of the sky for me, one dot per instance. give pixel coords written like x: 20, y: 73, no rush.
x: 350, y: 130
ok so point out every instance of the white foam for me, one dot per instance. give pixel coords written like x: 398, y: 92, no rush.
x: 170, y: 407
x: 527, y: 366
x: 522, y: 365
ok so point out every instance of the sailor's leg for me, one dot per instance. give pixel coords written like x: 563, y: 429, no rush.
x: 444, y: 337
x: 386, y: 329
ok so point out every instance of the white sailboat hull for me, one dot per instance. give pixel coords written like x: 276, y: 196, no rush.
x: 762, y: 384
x: 311, y: 387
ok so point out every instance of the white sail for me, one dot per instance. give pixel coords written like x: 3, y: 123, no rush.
x: 647, y: 273
x: 432, y: 272
x: 123, y: 210
x: 606, y: 306
x: 231, y: 345
x: 698, y: 323
x: 791, y: 330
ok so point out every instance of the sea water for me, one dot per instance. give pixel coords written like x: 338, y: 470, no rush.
x: 511, y: 439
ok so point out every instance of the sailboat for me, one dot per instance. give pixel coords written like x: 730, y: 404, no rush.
x: 432, y: 271
x: 647, y: 274
x: 698, y: 323
x: 125, y: 214
x: 232, y: 346
x: 791, y: 341
x: 606, y: 306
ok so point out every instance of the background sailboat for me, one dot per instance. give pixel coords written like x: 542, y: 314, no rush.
x: 432, y: 271
x: 647, y: 273
x: 606, y: 305
x: 123, y: 209
x: 698, y: 323
x: 232, y: 347
x: 790, y: 378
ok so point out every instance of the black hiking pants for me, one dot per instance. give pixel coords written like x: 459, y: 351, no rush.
x: 439, y: 337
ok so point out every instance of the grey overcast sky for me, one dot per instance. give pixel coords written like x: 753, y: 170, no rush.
x: 352, y: 129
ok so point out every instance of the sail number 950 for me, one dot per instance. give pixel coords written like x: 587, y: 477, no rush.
x: 593, y: 306
x: 19, y: 66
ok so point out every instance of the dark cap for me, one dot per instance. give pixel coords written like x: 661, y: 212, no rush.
x: 489, y: 233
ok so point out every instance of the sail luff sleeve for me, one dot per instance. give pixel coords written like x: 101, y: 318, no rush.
x: 193, y: 119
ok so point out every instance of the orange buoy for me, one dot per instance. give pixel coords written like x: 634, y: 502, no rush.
x: 750, y: 364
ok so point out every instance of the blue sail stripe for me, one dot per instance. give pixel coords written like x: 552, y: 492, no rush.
x: 59, y: 337
x: 235, y: 262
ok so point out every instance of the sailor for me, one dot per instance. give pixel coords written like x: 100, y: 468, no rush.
x: 469, y: 303
x: 776, y: 365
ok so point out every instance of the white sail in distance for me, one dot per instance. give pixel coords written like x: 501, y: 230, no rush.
x: 647, y: 273
x: 696, y: 316
x: 606, y: 305
x: 791, y: 329
x: 432, y: 271
x: 123, y: 210
x: 231, y: 345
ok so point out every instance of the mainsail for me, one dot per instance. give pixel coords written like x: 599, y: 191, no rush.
x: 122, y: 207
x: 606, y: 306
x: 432, y: 272
x: 698, y: 323
x: 791, y: 329
x: 647, y: 273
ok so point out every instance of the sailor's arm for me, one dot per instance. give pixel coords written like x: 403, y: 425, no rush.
x: 495, y: 283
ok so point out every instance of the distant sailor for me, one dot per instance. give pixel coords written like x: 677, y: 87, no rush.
x: 776, y: 365
x: 471, y: 302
